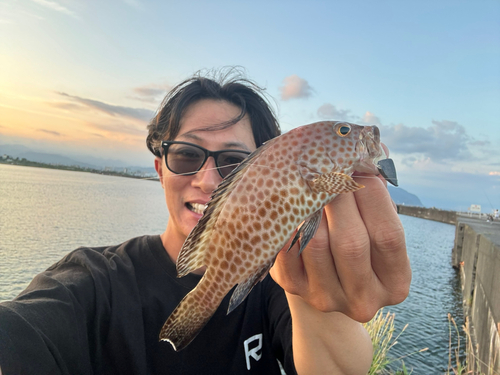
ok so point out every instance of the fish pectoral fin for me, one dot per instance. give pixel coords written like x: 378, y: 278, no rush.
x: 246, y: 286
x: 307, y: 230
x: 334, y: 183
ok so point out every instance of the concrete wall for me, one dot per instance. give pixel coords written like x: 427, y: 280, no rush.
x: 449, y: 217
x: 479, y: 262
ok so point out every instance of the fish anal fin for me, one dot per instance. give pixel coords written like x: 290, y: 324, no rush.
x: 307, y: 230
x: 334, y: 183
x: 246, y: 286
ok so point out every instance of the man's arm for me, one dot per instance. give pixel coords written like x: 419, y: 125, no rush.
x: 327, y: 343
x: 356, y: 264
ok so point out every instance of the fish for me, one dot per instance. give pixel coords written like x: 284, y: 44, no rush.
x: 278, y: 190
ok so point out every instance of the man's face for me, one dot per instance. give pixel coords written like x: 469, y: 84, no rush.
x: 186, y: 196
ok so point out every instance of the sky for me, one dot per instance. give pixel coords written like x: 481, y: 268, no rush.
x: 83, y: 78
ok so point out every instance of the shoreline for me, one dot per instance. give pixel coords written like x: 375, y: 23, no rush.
x: 28, y: 163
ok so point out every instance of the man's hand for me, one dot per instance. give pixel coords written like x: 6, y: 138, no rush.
x: 357, y: 261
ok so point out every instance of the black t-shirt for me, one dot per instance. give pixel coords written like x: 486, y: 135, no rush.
x: 100, y: 311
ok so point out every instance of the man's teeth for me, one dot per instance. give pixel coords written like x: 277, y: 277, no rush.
x: 196, y: 207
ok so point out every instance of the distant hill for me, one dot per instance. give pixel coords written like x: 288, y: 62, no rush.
x: 401, y: 196
x: 19, y: 151
x: 53, y: 159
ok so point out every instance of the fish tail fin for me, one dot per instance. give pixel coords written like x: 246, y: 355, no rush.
x: 190, y: 316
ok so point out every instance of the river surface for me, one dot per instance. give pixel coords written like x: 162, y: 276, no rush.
x: 46, y: 213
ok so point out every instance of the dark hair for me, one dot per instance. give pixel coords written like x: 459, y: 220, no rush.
x: 228, y: 85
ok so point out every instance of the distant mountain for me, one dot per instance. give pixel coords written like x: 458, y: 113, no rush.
x: 401, y: 196
x: 54, y: 159
x: 13, y: 150
x: 19, y: 151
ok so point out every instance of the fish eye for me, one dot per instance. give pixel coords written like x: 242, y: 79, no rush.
x: 343, y: 130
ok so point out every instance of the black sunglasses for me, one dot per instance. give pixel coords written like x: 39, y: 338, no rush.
x: 187, y: 158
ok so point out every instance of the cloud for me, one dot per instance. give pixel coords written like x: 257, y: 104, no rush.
x: 141, y: 114
x: 67, y: 106
x: 480, y: 143
x: 51, y: 132
x: 119, y: 129
x: 329, y: 111
x: 370, y: 118
x: 444, y: 145
x: 295, y: 87
x: 494, y: 173
x: 55, y: 6
x: 151, y: 93
x: 444, y: 140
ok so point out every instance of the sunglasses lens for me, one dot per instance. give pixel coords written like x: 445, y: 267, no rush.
x: 227, y: 161
x: 184, y: 158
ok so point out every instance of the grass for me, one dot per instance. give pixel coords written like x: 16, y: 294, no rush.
x: 456, y: 367
x: 381, y: 330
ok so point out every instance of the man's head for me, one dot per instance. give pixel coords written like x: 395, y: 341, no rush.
x: 227, y: 86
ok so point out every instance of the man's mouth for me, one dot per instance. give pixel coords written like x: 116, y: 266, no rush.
x: 196, y: 207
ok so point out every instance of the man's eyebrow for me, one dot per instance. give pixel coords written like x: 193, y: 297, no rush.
x: 232, y: 144
x: 190, y: 135
x: 238, y: 145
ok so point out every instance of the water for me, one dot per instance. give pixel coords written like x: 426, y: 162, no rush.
x: 46, y: 213
x: 435, y: 291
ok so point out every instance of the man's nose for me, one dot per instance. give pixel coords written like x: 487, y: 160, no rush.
x: 208, y: 177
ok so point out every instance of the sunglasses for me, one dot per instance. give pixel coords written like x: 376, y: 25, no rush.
x: 187, y: 158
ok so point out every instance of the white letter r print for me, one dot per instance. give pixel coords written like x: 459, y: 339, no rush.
x: 254, y: 351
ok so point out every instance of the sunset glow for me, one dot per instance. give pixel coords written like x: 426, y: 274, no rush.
x: 84, y: 79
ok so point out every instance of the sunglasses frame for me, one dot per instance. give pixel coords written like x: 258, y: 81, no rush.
x: 215, y: 154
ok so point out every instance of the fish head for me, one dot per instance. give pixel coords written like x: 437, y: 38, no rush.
x: 370, y: 155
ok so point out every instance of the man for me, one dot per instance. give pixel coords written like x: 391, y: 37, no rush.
x: 101, y: 310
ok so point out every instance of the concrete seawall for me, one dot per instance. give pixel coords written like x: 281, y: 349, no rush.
x: 476, y: 254
x: 449, y: 217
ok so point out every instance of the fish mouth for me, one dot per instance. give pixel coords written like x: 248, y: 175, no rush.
x: 197, y: 208
x: 374, y: 156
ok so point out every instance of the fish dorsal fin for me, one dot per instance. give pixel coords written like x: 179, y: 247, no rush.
x: 194, y: 250
x: 334, y: 183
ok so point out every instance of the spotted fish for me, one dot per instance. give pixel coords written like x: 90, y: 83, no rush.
x: 279, y: 190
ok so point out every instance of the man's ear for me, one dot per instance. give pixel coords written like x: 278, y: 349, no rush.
x: 159, y: 169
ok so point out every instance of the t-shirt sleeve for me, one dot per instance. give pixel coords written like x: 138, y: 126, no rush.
x: 280, y: 323
x: 44, y: 330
